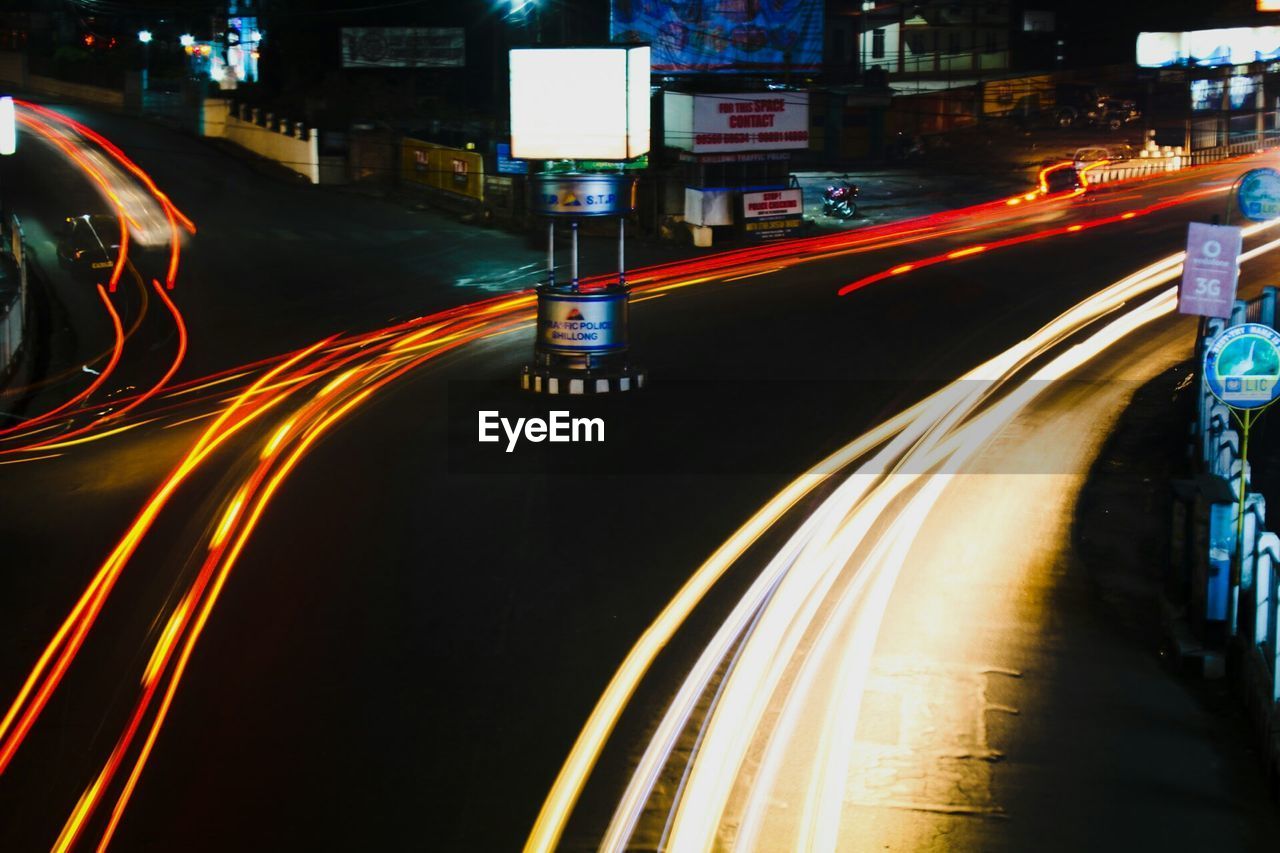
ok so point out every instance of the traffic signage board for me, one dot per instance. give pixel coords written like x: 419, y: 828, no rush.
x: 1211, y: 270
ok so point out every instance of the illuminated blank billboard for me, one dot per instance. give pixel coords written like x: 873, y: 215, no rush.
x: 697, y: 36
x: 580, y: 103
x: 1204, y: 48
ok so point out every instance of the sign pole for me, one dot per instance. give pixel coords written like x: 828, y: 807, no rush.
x: 573, y: 227
x: 1245, y: 418
x: 551, y: 253
x: 581, y: 344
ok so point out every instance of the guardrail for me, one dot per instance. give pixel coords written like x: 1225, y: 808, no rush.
x: 1240, y: 579
x: 13, y: 314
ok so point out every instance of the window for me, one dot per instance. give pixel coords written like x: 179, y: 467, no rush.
x: 953, y: 43
x: 877, y: 44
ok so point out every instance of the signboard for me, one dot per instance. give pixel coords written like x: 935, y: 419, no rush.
x: 1242, y: 366
x: 1210, y: 271
x: 772, y: 204
x: 574, y: 323
x: 773, y: 229
x: 509, y: 166
x: 8, y: 127
x: 724, y: 35
x: 403, y: 47
x: 583, y: 195
x: 582, y: 103
x: 1225, y: 46
x: 750, y: 121
x: 1258, y: 195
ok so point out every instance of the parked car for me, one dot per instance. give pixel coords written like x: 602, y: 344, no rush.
x: 1087, y: 106
x: 89, y: 242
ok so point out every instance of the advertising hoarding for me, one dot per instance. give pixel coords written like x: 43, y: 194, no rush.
x: 1210, y: 271
x: 1258, y: 194
x: 749, y: 121
x: 723, y: 35
x: 579, y: 103
x: 1242, y: 366
x: 1204, y: 48
x: 403, y: 47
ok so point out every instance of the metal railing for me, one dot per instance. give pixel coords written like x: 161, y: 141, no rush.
x: 13, y: 313
x: 1253, y: 588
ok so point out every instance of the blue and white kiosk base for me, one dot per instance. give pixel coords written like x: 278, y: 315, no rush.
x: 581, y: 345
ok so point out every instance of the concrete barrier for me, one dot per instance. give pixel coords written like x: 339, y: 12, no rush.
x: 292, y: 146
x: 14, y: 71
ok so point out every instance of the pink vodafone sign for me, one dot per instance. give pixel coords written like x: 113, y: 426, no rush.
x: 1210, y: 271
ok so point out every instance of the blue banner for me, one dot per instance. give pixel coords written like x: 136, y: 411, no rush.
x: 698, y: 36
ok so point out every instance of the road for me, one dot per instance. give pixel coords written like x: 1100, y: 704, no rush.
x: 417, y: 626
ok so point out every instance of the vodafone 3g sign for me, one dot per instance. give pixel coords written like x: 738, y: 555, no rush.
x: 1210, y: 271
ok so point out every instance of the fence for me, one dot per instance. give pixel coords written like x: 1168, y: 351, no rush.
x: 1153, y: 160
x: 290, y: 144
x: 13, y: 309
x: 1234, y: 585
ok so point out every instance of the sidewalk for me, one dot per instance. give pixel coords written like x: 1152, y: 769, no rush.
x: 1018, y: 699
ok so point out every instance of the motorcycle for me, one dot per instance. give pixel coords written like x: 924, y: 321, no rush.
x: 838, y: 200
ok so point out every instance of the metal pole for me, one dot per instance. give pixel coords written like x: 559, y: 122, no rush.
x: 574, y: 227
x: 1237, y: 571
x: 622, y: 267
x: 551, y: 253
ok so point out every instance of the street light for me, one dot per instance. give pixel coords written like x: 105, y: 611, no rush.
x: 144, y: 36
x: 186, y: 40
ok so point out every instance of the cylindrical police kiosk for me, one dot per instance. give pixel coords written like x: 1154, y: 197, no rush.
x: 581, y: 344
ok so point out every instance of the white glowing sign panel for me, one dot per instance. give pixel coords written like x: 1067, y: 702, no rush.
x: 1229, y: 46
x: 579, y: 103
x: 8, y: 127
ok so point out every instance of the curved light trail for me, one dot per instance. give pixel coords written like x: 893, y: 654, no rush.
x: 313, y: 389
x: 792, y: 597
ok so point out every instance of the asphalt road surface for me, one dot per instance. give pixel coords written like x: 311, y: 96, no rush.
x: 412, y: 628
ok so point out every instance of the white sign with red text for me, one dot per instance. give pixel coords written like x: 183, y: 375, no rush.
x: 771, y: 203
x: 752, y: 121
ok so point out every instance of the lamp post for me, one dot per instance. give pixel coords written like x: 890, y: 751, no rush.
x: 144, y: 36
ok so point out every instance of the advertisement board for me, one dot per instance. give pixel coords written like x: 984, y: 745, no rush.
x: 403, y: 47
x: 1210, y: 271
x: 451, y: 170
x: 1242, y: 366
x: 747, y: 121
x: 723, y: 35
x: 1225, y: 46
x: 579, y: 103
x: 1258, y: 194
